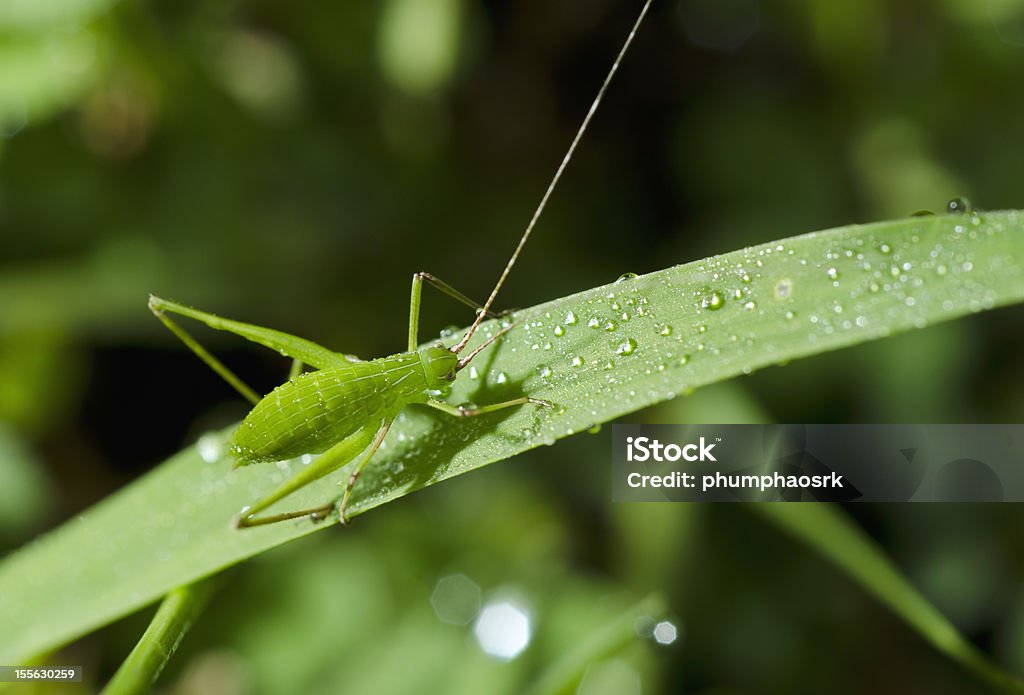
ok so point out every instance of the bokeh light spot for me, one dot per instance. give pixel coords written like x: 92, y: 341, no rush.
x: 665, y: 632
x: 456, y: 599
x: 503, y: 629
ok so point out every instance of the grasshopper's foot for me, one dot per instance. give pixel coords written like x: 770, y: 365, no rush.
x: 319, y: 516
x: 542, y: 403
x: 320, y: 513
x: 241, y: 519
x: 343, y: 518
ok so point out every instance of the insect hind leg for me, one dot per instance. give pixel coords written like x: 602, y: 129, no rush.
x: 291, y: 345
x: 363, y: 444
x: 157, y: 306
x: 331, y: 460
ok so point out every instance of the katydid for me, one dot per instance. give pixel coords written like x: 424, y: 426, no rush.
x: 344, y: 408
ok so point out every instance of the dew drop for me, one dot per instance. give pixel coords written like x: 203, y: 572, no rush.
x: 958, y: 206
x: 501, y: 378
x: 594, y: 429
x: 594, y: 322
x: 559, y: 330
x: 570, y: 319
x: 665, y: 330
x: 627, y: 347
x: 610, y: 326
x: 684, y: 360
x: 545, y: 371
x: 626, y: 276
x: 578, y: 361
x: 783, y: 288
x: 473, y: 373
x: 713, y: 301
x: 832, y: 273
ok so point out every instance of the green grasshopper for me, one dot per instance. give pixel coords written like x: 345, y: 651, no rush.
x: 344, y: 408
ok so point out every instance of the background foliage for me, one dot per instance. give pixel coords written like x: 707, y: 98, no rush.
x: 292, y: 165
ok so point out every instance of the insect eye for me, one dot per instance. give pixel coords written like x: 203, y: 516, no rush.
x: 451, y: 375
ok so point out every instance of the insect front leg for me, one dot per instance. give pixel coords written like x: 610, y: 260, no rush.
x: 414, y: 303
x: 462, y: 411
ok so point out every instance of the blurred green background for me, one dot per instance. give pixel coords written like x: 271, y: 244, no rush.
x: 292, y: 164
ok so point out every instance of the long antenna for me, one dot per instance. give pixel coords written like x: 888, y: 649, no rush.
x: 554, y: 182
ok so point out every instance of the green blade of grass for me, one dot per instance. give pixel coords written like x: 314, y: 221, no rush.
x: 836, y: 538
x: 157, y: 645
x: 596, y: 355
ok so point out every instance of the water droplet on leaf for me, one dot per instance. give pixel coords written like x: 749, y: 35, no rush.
x: 627, y: 347
x: 713, y: 301
x: 958, y: 206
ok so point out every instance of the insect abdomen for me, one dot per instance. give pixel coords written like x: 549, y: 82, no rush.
x: 310, y: 413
